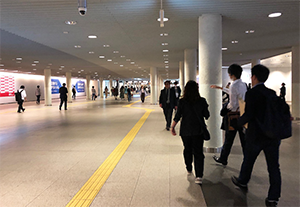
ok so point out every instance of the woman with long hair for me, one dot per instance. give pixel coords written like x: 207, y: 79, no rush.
x: 192, y: 110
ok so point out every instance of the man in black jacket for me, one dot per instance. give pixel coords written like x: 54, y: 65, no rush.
x: 167, y: 101
x: 63, y: 96
x: 177, y: 91
x: 256, y: 140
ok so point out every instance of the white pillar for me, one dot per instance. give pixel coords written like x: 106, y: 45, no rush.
x: 47, y: 89
x: 210, y: 72
x: 87, y: 88
x: 101, y: 89
x: 296, y: 81
x: 190, y: 65
x: 181, y: 76
x: 69, y: 86
x: 153, y: 80
x: 255, y: 62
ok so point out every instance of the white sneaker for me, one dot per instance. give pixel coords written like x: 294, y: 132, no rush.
x: 198, y: 180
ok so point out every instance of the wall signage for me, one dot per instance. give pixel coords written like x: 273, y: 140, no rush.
x: 7, y: 86
x: 80, y: 86
x: 55, y: 85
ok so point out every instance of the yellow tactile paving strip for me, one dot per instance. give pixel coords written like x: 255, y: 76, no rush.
x: 89, y: 191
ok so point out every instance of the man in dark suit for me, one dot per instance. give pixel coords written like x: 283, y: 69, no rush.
x: 63, y: 91
x: 177, y: 91
x: 167, y: 101
x: 256, y: 140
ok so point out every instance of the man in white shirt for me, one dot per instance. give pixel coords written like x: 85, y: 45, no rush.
x: 23, y: 98
x: 236, y: 92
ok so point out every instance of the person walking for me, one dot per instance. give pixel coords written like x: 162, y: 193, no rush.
x: 38, y: 94
x: 256, y: 140
x: 177, y: 91
x: 129, y: 94
x: 282, y: 91
x: 74, y: 92
x: 122, y: 92
x: 22, y: 98
x: 167, y: 101
x: 106, y: 91
x: 143, y: 94
x: 93, y: 93
x: 192, y: 109
x: 63, y: 91
x: 237, y: 92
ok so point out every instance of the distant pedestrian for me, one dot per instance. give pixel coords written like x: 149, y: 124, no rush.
x: 282, y: 91
x: 106, y: 91
x: 74, y: 92
x: 22, y: 98
x: 63, y: 91
x: 143, y: 93
x: 122, y: 92
x: 129, y: 94
x: 177, y: 90
x: 93, y: 93
x: 167, y: 101
x: 38, y: 94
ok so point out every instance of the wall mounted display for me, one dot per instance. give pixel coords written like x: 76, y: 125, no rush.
x: 7, y: 85
x: 55, y: 85
x: 80, y: 86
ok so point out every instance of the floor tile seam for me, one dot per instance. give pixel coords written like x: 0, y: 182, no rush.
x: 126, y: 143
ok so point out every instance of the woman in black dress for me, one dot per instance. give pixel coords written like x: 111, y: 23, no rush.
x: 191, y: 110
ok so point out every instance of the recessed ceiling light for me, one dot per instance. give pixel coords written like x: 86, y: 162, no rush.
x: 70, y: 22
x: 166, y: 55
x: 249, y: 31
x: 34, y: 69
x: 18, y: 62
x: 164, y: 44
x: 79, y: 72
x: 115, y: 51
x: 18, y: 58
x: 105, y: 45
x: 128, y: 60
x: 91, y: 52
x: 140, y: 67
x: 132, y: 63
x: 166, y: 66
x: 109, y: 60
x: 57, y: 72
x: 164, y: 34
x: 1, y: 65
x: 60, y: 68
x: 276, y: 14
x: 234, y: 41
x: 122, y: 56
x: 116, y: 63
x: 36, y: 61
x: 65, y: 32
x: 82, y: 70
x: 165, y: 50
x: 167, y: 61
x: 121, y: 65
x: 77, y: 46
x: 224, y: 48
x: 102, y: 56
x: 92, y: 36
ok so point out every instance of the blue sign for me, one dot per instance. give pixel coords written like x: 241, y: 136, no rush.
x: 80, y: 86
x: 55, y: 85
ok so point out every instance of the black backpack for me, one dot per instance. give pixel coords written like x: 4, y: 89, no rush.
x: 18, y: 96
x: 277, y: 122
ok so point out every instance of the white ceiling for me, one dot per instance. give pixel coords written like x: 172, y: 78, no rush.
x: 34, y: 30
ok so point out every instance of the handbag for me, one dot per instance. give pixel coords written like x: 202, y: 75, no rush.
x: 233, y: 117
x: 205, y: 132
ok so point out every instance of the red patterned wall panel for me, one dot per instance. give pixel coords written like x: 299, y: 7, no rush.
x: 7, y: 86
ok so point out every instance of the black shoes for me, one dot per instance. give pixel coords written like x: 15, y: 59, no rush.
x: 217, y: 159
x: 23, y: 109
x: 238, y: 184
x: 270, y: 203
x: 168, y: 128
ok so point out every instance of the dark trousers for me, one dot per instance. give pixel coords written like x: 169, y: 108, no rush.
x: 20, y: 105
x: 229, y: 139
x: 142, y: 97
x: 63, y: 100
x: 193, y: 150
x: 93, y: 96
x: 168, y: 115
x: 271, y: 151
x: 38, y: 98
x: 74, y: 95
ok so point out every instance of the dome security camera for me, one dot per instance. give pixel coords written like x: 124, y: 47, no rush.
x: 82, y: 11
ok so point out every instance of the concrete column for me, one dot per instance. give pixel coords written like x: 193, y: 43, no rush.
x: 69, y: 86
x: 190, y: 65
x: 154, y: 85
x: 210, y: 72
x: 87, y: 88
x: 101, y: 87
x: 47, y: 89
x: 255, y: 62
x: 296, y: 81
x: 181, y: 76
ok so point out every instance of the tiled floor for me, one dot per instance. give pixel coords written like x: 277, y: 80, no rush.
x: 47, y: 155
